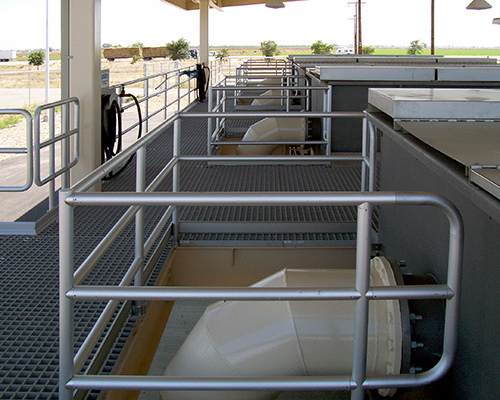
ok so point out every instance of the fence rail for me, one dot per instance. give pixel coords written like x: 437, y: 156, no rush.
x: 132, y: 285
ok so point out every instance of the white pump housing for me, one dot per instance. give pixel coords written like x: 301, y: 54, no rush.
x: 282, y: 338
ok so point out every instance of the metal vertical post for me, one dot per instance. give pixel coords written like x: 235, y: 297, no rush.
x: 209, y: 121
x: 224, y: 94
x: 364, y: 155
x: 288, y: 94
x: 178, y: 90
x: 140, y: 186
x: 373, y: 158
x: 217, y: 120
x: 52, y: 162
x: 176, y: 174
x: 363, y: 251
x: 65, y: 151
x: 66, y: 306
x: 165, y: 99
x: 146, y: 96
x: 329, y: 120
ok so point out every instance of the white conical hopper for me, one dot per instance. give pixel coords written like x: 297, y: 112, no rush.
x: 281, y: 338
x: 262, y: 101
x: 272, y: 130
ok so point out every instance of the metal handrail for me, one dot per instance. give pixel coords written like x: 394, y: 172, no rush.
x: 28, y: 150
x: 362, y: 293
x: 159, y: 93
x: 71, y: 287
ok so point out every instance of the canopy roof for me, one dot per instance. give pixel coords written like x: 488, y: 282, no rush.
x: 194, y: 4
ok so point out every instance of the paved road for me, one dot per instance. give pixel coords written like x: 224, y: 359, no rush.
x: 22, y: 98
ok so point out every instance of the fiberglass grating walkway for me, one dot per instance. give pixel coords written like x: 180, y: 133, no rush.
x: 29, y: 264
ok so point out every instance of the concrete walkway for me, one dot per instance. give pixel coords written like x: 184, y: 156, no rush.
x: 26, y: 98
x: 13, y: 173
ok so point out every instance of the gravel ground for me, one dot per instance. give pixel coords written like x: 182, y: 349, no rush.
x: 15, y: 136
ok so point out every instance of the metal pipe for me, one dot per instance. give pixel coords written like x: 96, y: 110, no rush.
x: 52, y: 161
x: 209, y: 120
x: 95, y: 176
x: 372, y: 181
x: 267, y: 88
x: 328, y: 121
x: 254, y: 114
x: 102, y: 322
x: 363, y: 252
x: 237, y: 293
x: 66, y: 305
x: 152, y: 293
x: 364, y: 153
x: 28, y: 150
x: 156, y: 231
x: 139, y: 216
x: 117, y: 382
x: 86, y: 267
x: 233, y: 198
x: 176, y: 175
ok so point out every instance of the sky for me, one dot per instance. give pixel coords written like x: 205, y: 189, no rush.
x: 154, y: 23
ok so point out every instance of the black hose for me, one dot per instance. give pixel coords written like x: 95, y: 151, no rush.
x: 113, y: 174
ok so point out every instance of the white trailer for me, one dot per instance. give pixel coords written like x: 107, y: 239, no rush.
x: 7, y: 55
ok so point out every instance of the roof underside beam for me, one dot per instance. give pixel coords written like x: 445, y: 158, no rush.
x: 218, y: 4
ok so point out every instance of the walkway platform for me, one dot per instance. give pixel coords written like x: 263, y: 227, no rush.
x: 29, y: 264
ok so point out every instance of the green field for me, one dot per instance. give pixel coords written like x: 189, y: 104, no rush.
x: 448, y: 51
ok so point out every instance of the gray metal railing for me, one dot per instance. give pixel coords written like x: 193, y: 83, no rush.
x: 72, y: 288
x: 60, y: 137
x: 162, y: 92
x: 28, y: 150
x: 69, y: 130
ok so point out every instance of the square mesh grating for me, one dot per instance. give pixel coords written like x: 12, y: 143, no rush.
x: 29, y: 265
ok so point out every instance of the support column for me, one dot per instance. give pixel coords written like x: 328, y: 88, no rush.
x: 81, y: 76
x: 204, y: 8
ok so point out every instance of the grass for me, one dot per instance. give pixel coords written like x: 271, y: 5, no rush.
x: 6, y: 121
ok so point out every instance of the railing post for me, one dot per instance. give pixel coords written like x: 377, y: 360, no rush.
x: 66, y: 305
x: 209, y: 121
x: 329, y: 120
x: 288, y: 94
x: 146, y: 96
x: 176, y: 174
x: 52, y: 162
x: 363, y: 251
x: 373, y: 158
x: 139, y: 223
x: 65, y: 146
x: 178, y: 90
x: 364, y: 154
x: 217, y: 120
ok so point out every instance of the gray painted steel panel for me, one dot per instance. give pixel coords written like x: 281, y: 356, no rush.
x: 469, y: 143
x: 424, y: 103
x: 406, y: 165
x: 468, y: 74
x: 376, y: 73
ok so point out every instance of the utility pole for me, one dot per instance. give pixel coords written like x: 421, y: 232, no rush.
x: 432, y: 27
x: 360, y: 42
x: 355, y: 19
x: 358, y: 47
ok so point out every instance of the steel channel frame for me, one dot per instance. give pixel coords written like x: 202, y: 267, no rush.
x: 362, y: 293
